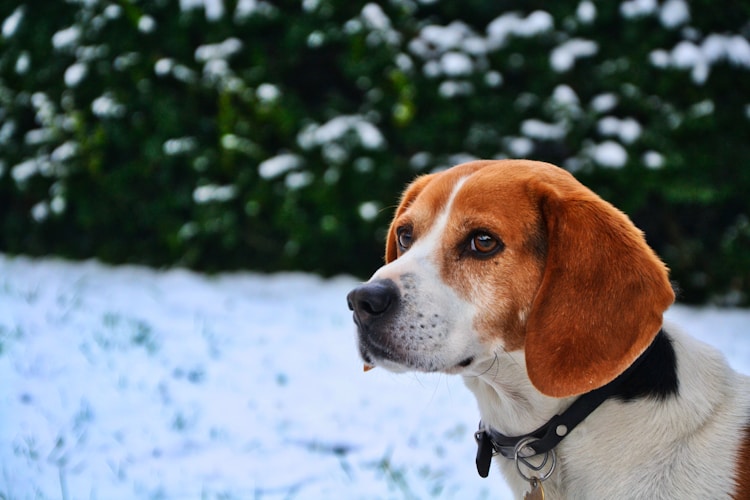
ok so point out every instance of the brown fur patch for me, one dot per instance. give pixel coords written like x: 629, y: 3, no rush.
x: 742, y: 474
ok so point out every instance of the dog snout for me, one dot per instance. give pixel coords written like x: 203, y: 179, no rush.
x: 373, y: 301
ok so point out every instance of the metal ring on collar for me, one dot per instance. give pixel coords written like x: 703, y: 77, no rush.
x: 519, y: 458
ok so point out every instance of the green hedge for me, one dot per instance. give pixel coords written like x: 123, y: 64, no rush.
x: 277, y: 135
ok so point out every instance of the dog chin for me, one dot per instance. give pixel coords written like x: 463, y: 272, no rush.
x: 415, y: 365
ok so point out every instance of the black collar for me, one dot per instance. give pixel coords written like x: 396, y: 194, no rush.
x: 546, y: 437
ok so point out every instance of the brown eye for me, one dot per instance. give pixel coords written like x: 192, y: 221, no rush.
x: 484, y: 245
x: 404, y: 237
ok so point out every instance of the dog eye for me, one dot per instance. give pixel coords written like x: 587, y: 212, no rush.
x: 484, y: 245
x: 404, y: 237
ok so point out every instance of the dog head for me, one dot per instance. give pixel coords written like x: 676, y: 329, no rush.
x: 512, y: 255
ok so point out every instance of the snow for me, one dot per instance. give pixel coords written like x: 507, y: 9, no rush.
x: 214, y: 193
x: 75, y: 73
x: 512, y: 24
x: 538, y: 129
x: 674, y: 13
x: 64, y: 151
x: 273, y: 167
x: 214, y: 9
x: 298, y: 180
x: 586, y: 12
x: 268, y: 93
x: 11, y: 23
x: 375, y: 18
x: 369, y: 210
x: 563, y: 57
x: 456, y: 64
x: 493, y: 79
x: 146, y: 24
x: 454, y: 42
x: 23, y: 171
x: 451, y: 88
x: 627, y: 129
x: 379, y: 25
x: 520, y: 147
x: 602, y: 103
x: 442, y: 37
x: 609, y: 154
x: 66, y: 38
x: 699, y: 57
x: 124, y: 382
x: 179, y: 145
x: 106, y: 106
x: 638, y: 8
x: 653, y: 160
x: 23, y: 63
x: 222, y: 50
x: 368, y: 135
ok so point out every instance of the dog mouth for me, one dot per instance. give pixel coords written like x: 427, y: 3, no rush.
x: 375, y: 354
x: 402, y: 331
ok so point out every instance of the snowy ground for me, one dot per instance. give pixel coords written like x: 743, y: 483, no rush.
x: 124, y: 382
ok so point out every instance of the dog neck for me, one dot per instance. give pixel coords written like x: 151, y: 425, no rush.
x: 510, y: 404
x: 507, y: 400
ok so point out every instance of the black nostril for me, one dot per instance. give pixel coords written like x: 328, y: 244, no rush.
x: 372, y: 299
x: 375, y: 304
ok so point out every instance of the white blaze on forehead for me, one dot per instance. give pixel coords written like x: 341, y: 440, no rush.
x: 425, y: 246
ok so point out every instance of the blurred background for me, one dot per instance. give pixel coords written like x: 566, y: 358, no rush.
x: 172, y: 136
x: 246, y: 134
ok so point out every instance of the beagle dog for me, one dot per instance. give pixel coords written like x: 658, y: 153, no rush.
x: 548, y: 302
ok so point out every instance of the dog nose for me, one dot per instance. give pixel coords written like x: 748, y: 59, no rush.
x: 372, y: 300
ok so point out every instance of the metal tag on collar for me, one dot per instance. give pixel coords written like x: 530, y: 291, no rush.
x: 536, y: 492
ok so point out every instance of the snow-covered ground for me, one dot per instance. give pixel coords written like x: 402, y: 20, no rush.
x: 125, y: 382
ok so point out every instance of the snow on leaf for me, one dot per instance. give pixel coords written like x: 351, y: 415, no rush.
x: 146, y: 24
x: 280, y: 164
x: 563, y: 57
x: 537, y: 129
x: 179, y: 145
x: 369, y: 210
x: 222, y: 50
x: 638, y: 8
x: 586, y: 12
x: 627, y: 129
x: 375, y: 18
x: 443, y: 38
x: 75, y: 73
x: 609, y: 154
x: 267, y: 92
x: 214, y: 193
x: 106, y: 106
x: 699, y: 57
x: 11, y: 23
x: 500, y: 29
x: 334, y: 130
x: 674, y: 13
x: 66, y: 38
x: 653, y: 160
x: 298, y: 180
x: 456, y: 64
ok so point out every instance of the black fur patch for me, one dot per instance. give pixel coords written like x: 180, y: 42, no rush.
x: 655, y: 375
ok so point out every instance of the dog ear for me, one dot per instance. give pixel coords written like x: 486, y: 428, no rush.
x: 407, y: 198
x: 602, y: 294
